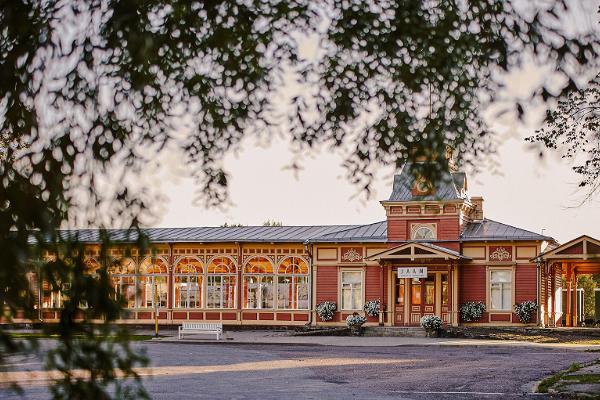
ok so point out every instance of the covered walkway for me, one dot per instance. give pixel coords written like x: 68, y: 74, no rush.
x: 580, y: 256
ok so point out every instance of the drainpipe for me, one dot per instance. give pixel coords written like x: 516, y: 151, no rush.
x: 539, y: 293
x: 308, y: 248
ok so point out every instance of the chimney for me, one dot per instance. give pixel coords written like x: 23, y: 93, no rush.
x: 477, y: 208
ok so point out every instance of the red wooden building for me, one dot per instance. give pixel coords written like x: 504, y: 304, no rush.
x: 434, y: 251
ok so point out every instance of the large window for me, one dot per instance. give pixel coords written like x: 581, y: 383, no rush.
x: 122, y: 276
x: 501, y: 290
x: 352, y: 293
x: 220, y: 283
x: 153, y: 283
x: 258, y: 284
x: 292, y: 284
x: 187, y: 283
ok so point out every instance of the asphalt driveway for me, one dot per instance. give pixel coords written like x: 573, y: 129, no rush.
x: 242, y: 371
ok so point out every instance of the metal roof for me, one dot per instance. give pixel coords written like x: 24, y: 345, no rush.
x: 447, y: 188
x: 375, y: 232
x: 211, y: 234
x: 492, y: 230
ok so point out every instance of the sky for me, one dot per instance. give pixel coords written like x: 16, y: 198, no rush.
x: 539, y: 195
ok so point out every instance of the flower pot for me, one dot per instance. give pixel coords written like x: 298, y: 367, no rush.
x: 356, y: 330
x: 432, y: 333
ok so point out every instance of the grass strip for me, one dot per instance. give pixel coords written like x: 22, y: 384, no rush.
x: 552, y: 380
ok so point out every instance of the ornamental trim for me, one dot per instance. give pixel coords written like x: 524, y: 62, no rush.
x: 351, y: 255
x: 500, y: 254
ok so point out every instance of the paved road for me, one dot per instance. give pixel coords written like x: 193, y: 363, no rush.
x: 233, y: 371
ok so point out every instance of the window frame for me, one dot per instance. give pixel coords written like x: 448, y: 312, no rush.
x: 414, y: 228
x: 490, y: 271
x: 199, y: 276
x: 341, y: 288
x: 227, y: 275
x: 142, y: 302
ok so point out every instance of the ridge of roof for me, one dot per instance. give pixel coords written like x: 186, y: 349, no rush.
x: 523, y: 233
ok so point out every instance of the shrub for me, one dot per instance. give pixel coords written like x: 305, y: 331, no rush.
x: 525, y: 310
x: 472, y: 311
x: 431, y: 323
x: 326, y: 310
x: 355, y: 320
x: 372, y: 308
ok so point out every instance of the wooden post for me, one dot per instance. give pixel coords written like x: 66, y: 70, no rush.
x: 574, y: 297
x: 568, y: 320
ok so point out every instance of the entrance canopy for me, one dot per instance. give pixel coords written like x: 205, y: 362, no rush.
x: 582, y: 253
x: 579, y: 256
x: 417, y: 250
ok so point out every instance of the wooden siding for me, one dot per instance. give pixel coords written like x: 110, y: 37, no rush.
x: 327, y: 284
x: 525, y: 283
x: 373, y: 283
x: 472, y: 283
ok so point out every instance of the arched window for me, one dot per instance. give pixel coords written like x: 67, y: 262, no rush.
x: 220, y: 283
x: 153, y: 282
x: 188, y: 280
x: 258, y: 283
x: 122, y: 276
x: 292, y: 284
x: 423, y: 232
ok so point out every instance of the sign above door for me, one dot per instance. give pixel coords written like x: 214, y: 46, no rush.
x: 412, y: 272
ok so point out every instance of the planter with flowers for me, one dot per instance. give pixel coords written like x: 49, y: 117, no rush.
x: 326, y: 310
x: 372, y: 309
x: 355, y: 323
x: 525, y: 311
x: 432, y: 325
x: 472, y: 311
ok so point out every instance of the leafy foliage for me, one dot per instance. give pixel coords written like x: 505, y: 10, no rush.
x: 91, y: 92
x: 355, y: 320
x: 431, y: 323
x: 272, y: 223
x: 573, y: 128
x: 372, y: 308
x: 472, y: 311
x: 326, y: 310
x: 525, y: 310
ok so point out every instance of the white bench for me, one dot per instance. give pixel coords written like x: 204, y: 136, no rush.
x: 201, y: 327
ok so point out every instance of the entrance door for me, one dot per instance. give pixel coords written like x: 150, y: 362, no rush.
x: 399, y: 300
x: 422, y: 298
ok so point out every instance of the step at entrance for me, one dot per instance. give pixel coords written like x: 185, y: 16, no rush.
x: 401, y: 331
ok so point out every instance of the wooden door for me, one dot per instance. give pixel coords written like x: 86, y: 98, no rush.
x: 399, y: 300
x: 422, y: 298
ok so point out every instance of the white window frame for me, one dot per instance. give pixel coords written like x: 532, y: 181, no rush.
x: 511, y: 287
x: 341, y: 289
x: 187, y: 276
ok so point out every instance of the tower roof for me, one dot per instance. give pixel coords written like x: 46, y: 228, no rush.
x: 449, y: 186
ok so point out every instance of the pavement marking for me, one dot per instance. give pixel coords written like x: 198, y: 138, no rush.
x: 41, y: 378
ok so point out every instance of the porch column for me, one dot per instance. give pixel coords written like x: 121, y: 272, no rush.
x: 568, y: 280
x: 552, y: 294
x: 407, y: 300
x: 455, y: 285
x: 450, y: 294
x: 574, y: 297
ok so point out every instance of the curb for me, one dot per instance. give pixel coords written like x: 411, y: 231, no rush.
x: 202, y: 342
